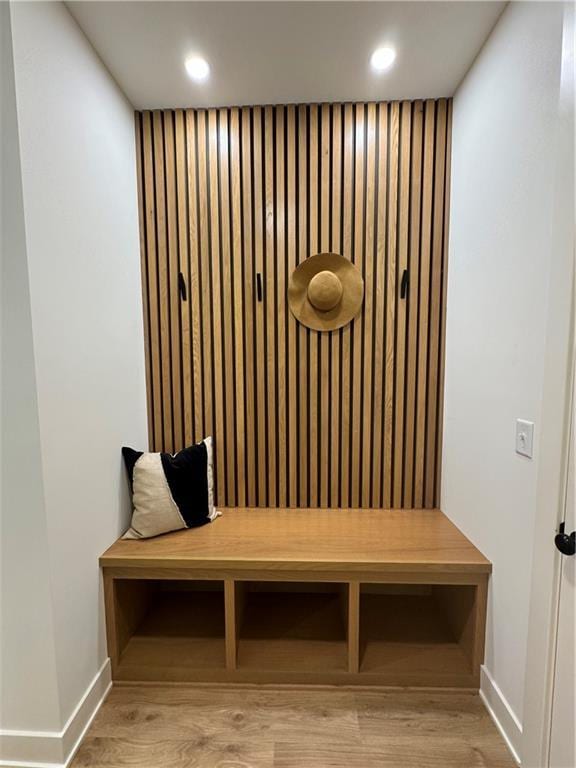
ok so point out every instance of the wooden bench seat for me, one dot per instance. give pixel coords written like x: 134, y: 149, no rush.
x: 349, y: 596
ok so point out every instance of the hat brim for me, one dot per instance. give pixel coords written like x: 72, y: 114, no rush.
x: 352, y: 292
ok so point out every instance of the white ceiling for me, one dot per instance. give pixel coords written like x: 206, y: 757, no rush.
x: 284, y: 52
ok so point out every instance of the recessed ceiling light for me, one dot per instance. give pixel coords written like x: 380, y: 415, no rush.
x: 382, y: 59
x: 198, y: 68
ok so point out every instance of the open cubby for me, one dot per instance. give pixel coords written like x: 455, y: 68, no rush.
x: 391, y: 634
x: 318, y: 596
x: 415, y: 633
x: 170, y: 627
x: 298, y: 627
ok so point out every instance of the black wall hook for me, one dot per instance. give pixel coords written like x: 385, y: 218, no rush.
x: 259, y: 286
x: 404, y: 284
x: 182, y: 286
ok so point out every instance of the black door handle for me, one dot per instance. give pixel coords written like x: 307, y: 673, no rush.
x: 565, y: 542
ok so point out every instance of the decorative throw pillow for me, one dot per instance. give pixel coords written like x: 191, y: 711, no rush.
x: 170, y: 492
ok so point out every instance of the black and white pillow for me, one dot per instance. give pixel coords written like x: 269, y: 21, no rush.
x: 170, y: 492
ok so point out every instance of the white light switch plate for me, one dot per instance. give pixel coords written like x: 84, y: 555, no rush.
x: 524, y: 437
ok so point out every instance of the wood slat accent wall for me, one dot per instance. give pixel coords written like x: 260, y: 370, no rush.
x: 346, y: 419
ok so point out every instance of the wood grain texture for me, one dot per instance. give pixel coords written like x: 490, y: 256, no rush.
x: 247, y: 625
x: 292, y: 633
x: 411, y: 356
x: 443, y: 303
x: 181, y: 636
x: 232, y: 196
x: 356, y: 539
x: 230, y: 611
x: 407, y: 639
x: 353, y: 616
x: 215, y: 727
x: 424, y: 329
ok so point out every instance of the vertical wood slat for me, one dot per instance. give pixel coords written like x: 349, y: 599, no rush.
x: 173, y: 259
x: 281, y: 308
x: 412, y: 304
x: 195, y: 282
x: 188, y: 353
x: 401, y: 305
x: 351, y: 418
x: 270, y: 268
x: 144, y: 268
x: 204, y: 272
x: 236, y: 255
x: 357, y: 328
x: 302, y: 333
x: 380, y: 305
x: 148, y: 223
x: 314, y: 374
x: 249, y: 278
x: 324, y: 338
x: 260, y: 410
x: 217, y: 339
x: 292, y: 329
x: 443, y: 302
x: 228, y: 309
x: 368, y: 336
x: 164, y: 287
x: 435, y: 299
x: 347, y: 215
x: 335, y: 246
x: 424, y: 302
x: 390, y: 302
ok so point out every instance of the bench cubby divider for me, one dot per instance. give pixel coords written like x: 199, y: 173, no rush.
x: 185, y: 608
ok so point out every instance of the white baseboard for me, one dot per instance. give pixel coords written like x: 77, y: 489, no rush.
x: 55, y: 749
x: 502, y: 714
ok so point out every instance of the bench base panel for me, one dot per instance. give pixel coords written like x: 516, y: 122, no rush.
x: 413, y: 630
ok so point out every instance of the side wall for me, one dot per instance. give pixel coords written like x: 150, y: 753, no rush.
x: 505, y: 116
x: 76, y: 133
x: 26, y: 632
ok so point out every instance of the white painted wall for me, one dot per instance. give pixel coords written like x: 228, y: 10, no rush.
x: 26, y: 633
x: 77, y: 150
x: 505, y: 117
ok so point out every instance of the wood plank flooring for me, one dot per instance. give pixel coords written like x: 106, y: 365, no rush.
x: 272, y: 727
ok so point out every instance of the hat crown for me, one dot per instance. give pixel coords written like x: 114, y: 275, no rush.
x: 325, y: 290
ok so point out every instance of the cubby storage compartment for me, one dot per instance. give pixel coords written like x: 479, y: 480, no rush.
x: 424, y: 634
x: 169, y: 629
x: 315, y: 596
x: 292, y: 627
x: 285, y: 631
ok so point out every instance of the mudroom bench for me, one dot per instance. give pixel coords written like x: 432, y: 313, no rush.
x: 345, y: 596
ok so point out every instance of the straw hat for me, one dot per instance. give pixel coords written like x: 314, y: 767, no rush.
x: 325, y: 292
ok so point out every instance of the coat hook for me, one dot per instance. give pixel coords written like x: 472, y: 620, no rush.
x: 259, y: 286
x: 182, y: 286
x: 404, y: 284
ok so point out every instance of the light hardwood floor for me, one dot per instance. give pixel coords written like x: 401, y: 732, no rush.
x: 271, y: 727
